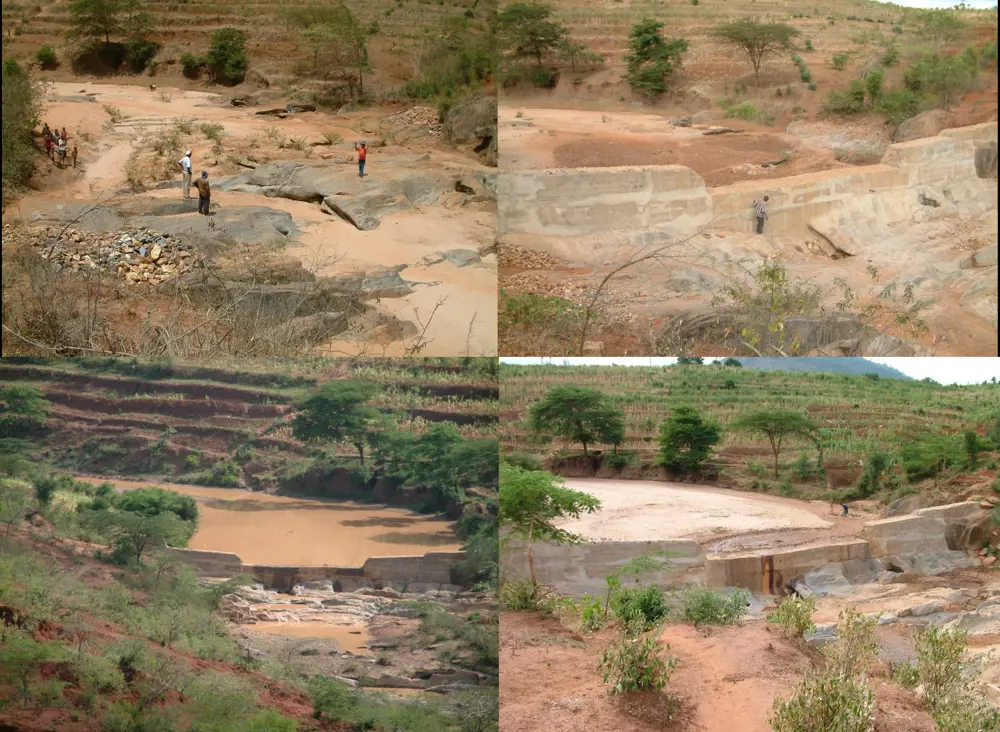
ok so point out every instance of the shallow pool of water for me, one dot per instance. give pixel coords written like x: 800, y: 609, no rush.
x: 349, y: 638
x: 267, y: 529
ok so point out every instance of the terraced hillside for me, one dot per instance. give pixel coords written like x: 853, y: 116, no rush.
x: 860, y: 29
x: 215, y: 426
x: 187, y: 25
x: 857, y: 416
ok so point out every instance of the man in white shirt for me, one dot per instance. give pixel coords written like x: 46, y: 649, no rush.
x: 185, y: 164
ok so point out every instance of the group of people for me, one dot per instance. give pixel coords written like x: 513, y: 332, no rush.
x: 201, y: 185
x: 204, y: 188
x: 56, y: 144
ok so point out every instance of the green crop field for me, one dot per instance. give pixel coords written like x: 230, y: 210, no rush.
x: 857, y: 415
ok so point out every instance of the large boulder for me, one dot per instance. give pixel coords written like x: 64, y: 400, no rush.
x: 361, y: 202
x: 925, y: 124
x: 474, y: 123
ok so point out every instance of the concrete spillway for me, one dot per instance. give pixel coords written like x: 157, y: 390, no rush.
x: 928, y: 542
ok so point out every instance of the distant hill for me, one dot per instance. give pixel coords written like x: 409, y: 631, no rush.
x: 855, y: 366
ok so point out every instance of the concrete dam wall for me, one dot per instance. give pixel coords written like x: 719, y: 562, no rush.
x: 434, y: 570
x: 928, y: 542
x: 956, y: 166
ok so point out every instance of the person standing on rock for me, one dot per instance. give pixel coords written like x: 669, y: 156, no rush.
x: 362, y: 149
x: 185, y: 164
x: 760, y: 210
x: 204, y: 193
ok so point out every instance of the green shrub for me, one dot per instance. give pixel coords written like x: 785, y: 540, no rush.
x: 523, y: 460
x: 825, y: 701
x: 227, y: 57
x: 704, y: 606
x: 46, y: 57
x: 891, y: 55
x: 647, y: 603
x: 855, y: 647
x: 591, y: 613
x: 795, y: 615
x: 812, y: 86
x: 633, y: 663
x: 192, y: 65
x: 804, y: 468
x: 873, y: 84
x: 139, y: 54
x: 898, y: 105
x: 805, y: 74
x: 939, y: 661
x: 755, y: 467
x: 839, y: 61
x: 621, y: 459
x: 844, y: 103
x: 905, y: 674
x: 809, y: 45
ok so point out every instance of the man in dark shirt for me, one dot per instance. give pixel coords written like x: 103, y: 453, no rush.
x: 204, y: 193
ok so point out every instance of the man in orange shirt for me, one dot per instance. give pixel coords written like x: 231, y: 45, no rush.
x: 362, y: 155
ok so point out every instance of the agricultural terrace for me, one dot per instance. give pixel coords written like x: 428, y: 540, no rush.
x: 857, y: 415
x: 219, y: 427
x: 398, y: 44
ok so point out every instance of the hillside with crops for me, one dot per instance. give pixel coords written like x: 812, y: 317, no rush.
x: 855, y: 417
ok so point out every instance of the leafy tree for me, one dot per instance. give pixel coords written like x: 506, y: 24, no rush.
x: 653, y: 59
x: 227, y: 57
x: 338, y: 411
x: 927, y: 454
x: 776, y: 426
x: 526, y: 31
x: 21, y: 108
x: 134, y: 535
x: 15, y: 501
x: 873, y: 83
x: 23, y: 409
x: 970, y: 441
x: 578, y: 414
x: 97, y: 19
x: 530, y: 503
x: 152, y: 501
x: 756, y: 39
x: 46, y: 57
x: 578, y: 53
x: 686, y: 440
x: 732, y: 362
x: 871, y: 479
x: 940, y: 26
x: 690, y: 361
x: 338, y: 43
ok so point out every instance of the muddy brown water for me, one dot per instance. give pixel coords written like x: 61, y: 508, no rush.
x: 349, y: 638
x: 281, y: 530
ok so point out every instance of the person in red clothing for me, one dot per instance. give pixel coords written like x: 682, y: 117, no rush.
x: 362, y: 149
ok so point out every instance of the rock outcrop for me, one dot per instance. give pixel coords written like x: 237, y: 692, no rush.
x: 473, y: 124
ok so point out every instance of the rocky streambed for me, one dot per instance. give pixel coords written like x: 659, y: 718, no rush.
x: 370, y: 637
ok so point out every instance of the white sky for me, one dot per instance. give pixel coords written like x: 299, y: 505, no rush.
x: 944, y: 3
x: 942, y: 370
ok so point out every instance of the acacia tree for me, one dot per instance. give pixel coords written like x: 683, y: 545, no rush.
x: 578, y: 414
x: 336, y: 412
x: 134, y: 535
x: 531, y: 501
x: 98, y: 19
x: 526, y: 32
x: 776, y: 426
x: 653, y: 58
x: 338, y: 42
x: 686, y: 440
x: 756, y: 39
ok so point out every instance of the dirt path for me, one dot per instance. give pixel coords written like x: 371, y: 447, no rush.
x: 268, y: 529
